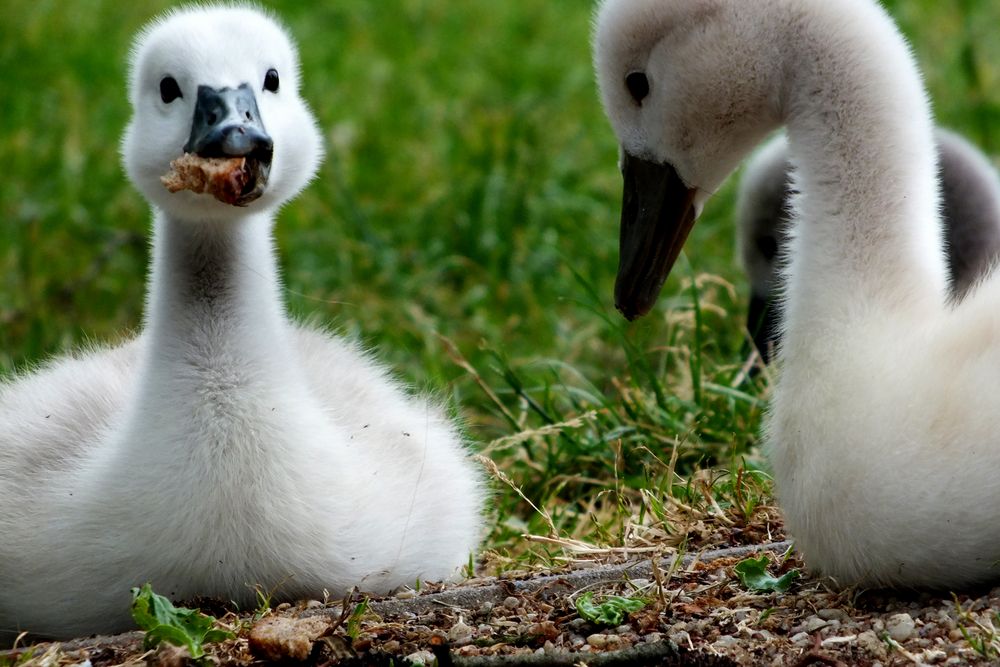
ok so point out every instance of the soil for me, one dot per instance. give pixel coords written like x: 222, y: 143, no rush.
x: 697, y: 613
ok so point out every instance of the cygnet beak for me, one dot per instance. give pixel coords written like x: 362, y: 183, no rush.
x: 658, y: 211
x: 763, y: 321
x: 227, y: 124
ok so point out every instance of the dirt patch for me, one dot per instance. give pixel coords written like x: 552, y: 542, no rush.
x: 697, y: 613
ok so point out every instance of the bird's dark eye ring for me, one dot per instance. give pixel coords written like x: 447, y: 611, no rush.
x: 169, y: 90
x: 271, y: 80
x: 638, y: 86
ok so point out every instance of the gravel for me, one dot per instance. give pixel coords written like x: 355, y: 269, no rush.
x: 701, y: 614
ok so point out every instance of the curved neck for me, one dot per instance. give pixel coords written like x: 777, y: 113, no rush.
x: 214, y: 293
x: 868, y: 234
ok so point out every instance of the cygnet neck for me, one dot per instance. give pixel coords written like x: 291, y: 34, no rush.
x: 214, y: 290
x: 860, y: 133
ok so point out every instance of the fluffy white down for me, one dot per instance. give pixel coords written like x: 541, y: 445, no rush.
x: 970, y: 200
x: 226, y: 446
x: 883, y: 430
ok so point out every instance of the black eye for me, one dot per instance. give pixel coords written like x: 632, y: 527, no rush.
x: 271, y: 80
x: 638, y: 85
x: 169, y: 90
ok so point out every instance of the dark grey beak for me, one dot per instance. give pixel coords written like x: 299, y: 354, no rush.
x: 657, y: 215
x: 227, y: 124
x: 762, y: 323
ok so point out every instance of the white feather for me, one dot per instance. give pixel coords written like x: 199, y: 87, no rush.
x: 970, y: 199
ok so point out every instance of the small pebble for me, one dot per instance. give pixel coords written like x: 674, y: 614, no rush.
x: 900, y: 627
x: 278, y: 638
x: 681, y: 638
x: 870, y: 642
x: 704, y: 624
x: 832, y: 614
x: 421, y: 658
x: 511, y: 602
x: 801, y: 639
x: 934, y: 656
x: 834, y: 641
x: 598, y: 640
x: 814, y: 623
x: 460, y: 633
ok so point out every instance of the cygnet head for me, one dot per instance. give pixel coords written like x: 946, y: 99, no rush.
x: 763, y: 216
x: 690, y: 86
x: 219, y: 82
x: 661, y: 65
x: 648, y: 51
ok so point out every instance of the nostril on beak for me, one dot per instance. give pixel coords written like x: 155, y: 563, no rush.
x: 227, y: 123
x: 243, y: 140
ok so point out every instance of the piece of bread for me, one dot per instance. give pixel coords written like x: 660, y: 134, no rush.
x: 223, y: 178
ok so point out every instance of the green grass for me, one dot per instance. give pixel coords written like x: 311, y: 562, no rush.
x: 470, y: 191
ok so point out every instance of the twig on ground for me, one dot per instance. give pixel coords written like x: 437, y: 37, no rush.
x: 814, y: 656
x: 657, y: 653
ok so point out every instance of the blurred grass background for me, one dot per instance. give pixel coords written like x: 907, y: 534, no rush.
x: 470, y: 191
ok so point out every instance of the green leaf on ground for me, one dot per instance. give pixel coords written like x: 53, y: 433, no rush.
x: 753, y: 575
x: 162, y: 621
x: 354, y: 622
x: 609, y: 612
